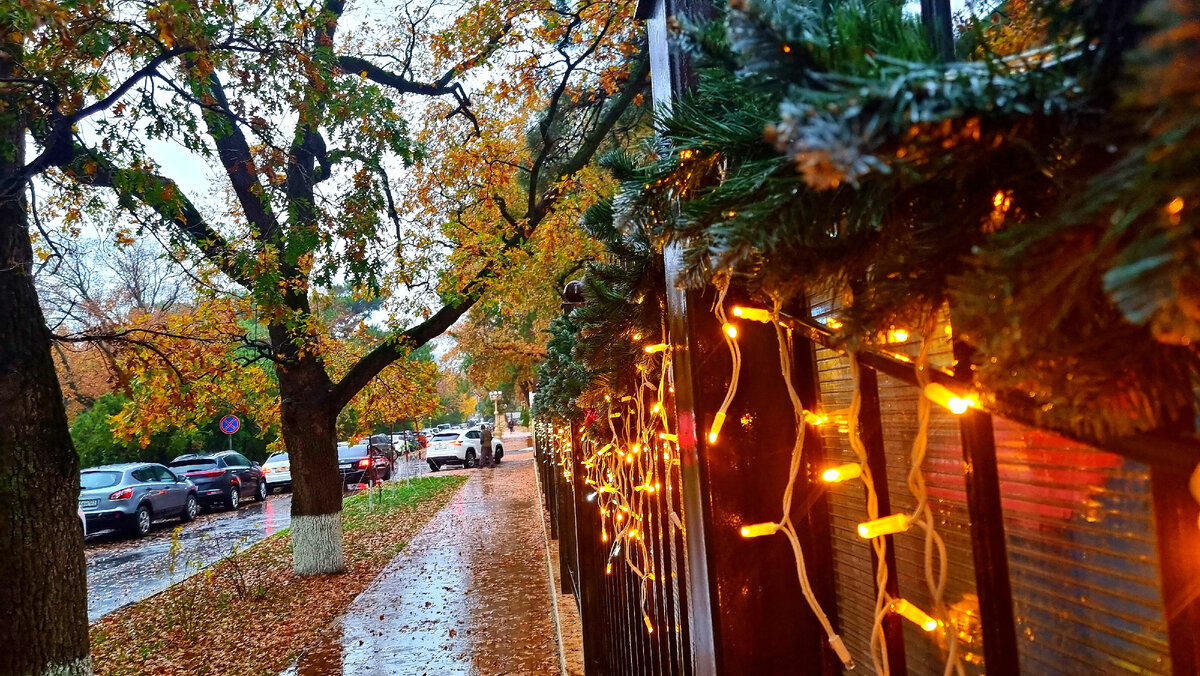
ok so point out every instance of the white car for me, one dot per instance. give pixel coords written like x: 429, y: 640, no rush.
x: 459, y: 447
x: 278, y: 470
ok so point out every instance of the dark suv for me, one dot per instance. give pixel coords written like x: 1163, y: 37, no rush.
x: 223, y: 478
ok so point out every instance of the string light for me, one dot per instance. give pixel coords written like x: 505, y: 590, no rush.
x: 914, y: 614
x: 943, y: 396
x: 1175, y: 206
x: 658, y: 347
x: 752, y: 314
x: 649, y: 627
x: 896, y: 523
x: 667, y: 437
x: 897, y: 335
x: 757, y: 530
x: 842, y: 473
x: 730, y: 330
x: 718, y: 421
x: 637, y: 336
x: 814, y: 418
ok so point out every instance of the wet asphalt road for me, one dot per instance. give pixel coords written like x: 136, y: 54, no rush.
x: 121, y: 571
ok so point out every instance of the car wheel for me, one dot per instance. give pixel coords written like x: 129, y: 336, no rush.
x: 387, y: 476
x: 262, y: 491
x: 190, y: 510
x: 469, y: 460
x: 433, y: 466
x: 234, y: 497
x: 141, y: 521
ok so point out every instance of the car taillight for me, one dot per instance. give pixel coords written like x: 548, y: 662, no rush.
x: 456, y: 443
x: 123, y: 494
x: 365, y: 462
x: 207, y: 474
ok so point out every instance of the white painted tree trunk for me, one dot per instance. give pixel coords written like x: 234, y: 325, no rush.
x: 80, y: 667
x: 317, y: 544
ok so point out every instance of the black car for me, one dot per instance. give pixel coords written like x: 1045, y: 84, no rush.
x: 355, y: 463
x: 384, y: 446
x: 223, y: 478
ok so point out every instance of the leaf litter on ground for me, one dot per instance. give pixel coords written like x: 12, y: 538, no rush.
x: 251, y: 603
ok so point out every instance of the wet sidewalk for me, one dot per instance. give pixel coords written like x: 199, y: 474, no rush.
x: 468, y: 595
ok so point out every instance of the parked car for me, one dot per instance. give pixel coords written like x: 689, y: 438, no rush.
x: 454, y: 447
x: 355, y: 462
x: 223, y: 478
x: 132, y: 495
x: 278, y: 470
x: 384, y: 446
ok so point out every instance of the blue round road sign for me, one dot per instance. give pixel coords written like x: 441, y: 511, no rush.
x: 230, y: 424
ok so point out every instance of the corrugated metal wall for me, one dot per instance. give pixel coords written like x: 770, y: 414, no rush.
x: 854, y: 573
x: 946, y: 490
x: 1082, y: 556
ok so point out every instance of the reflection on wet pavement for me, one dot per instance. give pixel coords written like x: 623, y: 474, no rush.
x: 121, y: 571
x: 468, y: 595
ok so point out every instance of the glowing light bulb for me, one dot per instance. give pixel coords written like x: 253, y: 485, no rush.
x: 756, y: 530
x: 608, y: 569
x: 667, y: 437
x: 814, y: 418
x: 730, y: 329
x: 833, y: 323
x: 842, y: 473
x: 752, y: 314
x: 896, y: 523
x: 658, y: 347
x: 637, y: 448
x: 637, y: 336
x: 943, y: 396
x: 914, y: 614
x: 649, y: 627
x: 656, y: 408
x: 897, y: 335
x: 1175, y: 206
x: 718, y: 422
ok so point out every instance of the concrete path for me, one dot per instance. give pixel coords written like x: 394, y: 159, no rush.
x: 468, y: 595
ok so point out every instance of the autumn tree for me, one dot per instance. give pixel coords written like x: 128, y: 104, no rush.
x: 311, y: 136
x: 92, y: 287
x: 61, y: 63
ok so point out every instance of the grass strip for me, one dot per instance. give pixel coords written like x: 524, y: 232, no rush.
x: 248, y: 613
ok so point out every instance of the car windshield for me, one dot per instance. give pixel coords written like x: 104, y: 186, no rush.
x: 194, y: 465
x: 90, y: 480
x: 359, y: 451
x: 446, y: 436
x: 278, y: 457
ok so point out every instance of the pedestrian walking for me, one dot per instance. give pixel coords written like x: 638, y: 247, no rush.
x: 485, y: 446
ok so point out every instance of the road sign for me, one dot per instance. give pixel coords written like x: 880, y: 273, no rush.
x: 230, y: 424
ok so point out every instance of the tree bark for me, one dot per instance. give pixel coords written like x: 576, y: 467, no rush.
x: 309, y: 425
x: 43, y: 596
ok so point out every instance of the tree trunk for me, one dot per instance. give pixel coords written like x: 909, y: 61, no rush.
x: 309, y: 426
x: 43, y: 596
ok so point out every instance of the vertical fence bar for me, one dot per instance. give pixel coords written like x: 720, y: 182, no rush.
x: 988, y: 545
x: 870, y: 425
x: 1175, y: 518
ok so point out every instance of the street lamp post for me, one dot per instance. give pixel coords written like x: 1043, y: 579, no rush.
x: 501, y: 427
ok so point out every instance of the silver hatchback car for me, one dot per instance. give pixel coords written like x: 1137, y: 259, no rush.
x: 133, y: 495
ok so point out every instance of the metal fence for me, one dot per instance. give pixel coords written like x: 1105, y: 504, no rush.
x: 1062, y: 558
